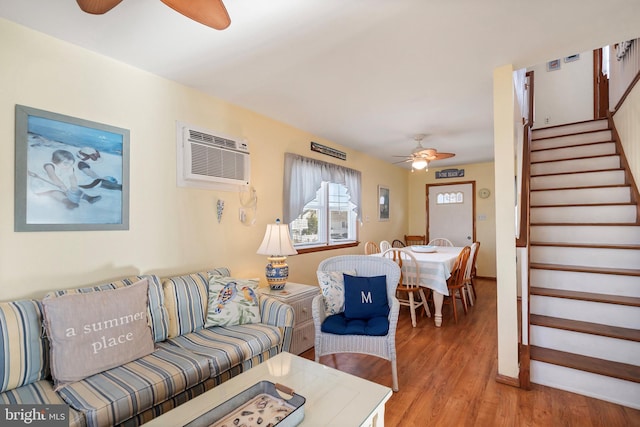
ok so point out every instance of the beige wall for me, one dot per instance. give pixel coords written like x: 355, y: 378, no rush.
x: 172, y: 230
x: 627, y: 120
x: 483, y: 175
x: 564, y: 95
x: 505, y: 123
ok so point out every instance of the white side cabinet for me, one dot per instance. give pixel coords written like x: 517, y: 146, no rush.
x: 298, y: 296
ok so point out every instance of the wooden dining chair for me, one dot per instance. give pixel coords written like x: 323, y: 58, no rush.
x: 371, y: 248
x: 440, y: 241
x: 410, y: 240
x: 397, y: 244
x: 470, y: 273
x: 455, y: 283
x: 409, y: 283
x: 384, y: 245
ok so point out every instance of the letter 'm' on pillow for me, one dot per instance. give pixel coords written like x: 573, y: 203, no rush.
x: 96, y: 331
x: 332, y: 286
x: 232, y: 301
x: 365, y: 297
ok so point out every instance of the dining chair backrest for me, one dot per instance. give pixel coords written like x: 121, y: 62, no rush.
x: 440, y: 241
x: 414, y: 240
x: 371, y: 248
x: 471, y: 262
x: 459, y: 268
x: 384, y: 245
x: 409, y: 267
x: 397, y: 244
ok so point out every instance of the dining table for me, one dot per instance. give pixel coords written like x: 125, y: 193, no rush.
x: 435, y: 269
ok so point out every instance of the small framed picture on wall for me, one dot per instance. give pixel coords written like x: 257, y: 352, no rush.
x: 383, y: 203
x: 553, y: 65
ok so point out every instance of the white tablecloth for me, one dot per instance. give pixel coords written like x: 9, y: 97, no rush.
x: 435, y: 267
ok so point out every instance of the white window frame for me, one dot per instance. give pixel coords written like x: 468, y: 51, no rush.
x: 303, y: 178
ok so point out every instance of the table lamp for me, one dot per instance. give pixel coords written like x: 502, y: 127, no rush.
x: 277, y: 245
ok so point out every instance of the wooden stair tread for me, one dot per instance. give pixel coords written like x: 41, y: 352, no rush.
x: 562, y: 147
x: 586, y: 296
x: 590, y: 187
x: 575, y: 205
x: 590, y: 224
x: 578, y: 172
x: 588, y: 245
x: 586, y: 327
x: 583, y: 132
x: 623, y: 371
x: 566, y: 159
x: 586, y: 269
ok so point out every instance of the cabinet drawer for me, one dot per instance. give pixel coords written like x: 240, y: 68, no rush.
x: 303, y: 338
x: 302, y: 309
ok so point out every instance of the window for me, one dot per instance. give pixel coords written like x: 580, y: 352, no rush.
x: 448, y: 198
x: 321, y: 202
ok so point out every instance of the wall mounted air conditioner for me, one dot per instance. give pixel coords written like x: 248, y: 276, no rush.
x: 211, y: 160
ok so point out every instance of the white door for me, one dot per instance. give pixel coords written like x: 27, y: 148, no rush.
x: 451, y: 212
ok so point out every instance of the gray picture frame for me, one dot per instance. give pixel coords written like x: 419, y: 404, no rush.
x: 71, y: 174
x: 384, y: 207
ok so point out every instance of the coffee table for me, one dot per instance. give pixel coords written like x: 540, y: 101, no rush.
x: 333, y: 398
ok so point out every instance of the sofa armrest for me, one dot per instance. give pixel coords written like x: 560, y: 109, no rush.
x: 276, y: 313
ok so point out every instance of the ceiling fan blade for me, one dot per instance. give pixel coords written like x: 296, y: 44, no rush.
x: 97, y: 7
x: 440, y: 156
x: 211, y: 13
x: 402, y: 161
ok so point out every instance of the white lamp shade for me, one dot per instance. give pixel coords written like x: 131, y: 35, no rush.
x: 277, y: 241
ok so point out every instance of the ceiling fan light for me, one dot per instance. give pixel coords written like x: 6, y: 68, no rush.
x: 419, y: 164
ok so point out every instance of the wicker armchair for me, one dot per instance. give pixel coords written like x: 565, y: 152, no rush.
x: 380, y: 346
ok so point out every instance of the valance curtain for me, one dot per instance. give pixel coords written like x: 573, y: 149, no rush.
x: 303, y: 177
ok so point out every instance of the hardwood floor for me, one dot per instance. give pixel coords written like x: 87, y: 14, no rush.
x: 447, y: 378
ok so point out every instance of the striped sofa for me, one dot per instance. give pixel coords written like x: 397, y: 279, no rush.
x: 188, y: 360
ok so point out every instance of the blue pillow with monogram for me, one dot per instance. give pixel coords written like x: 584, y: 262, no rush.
x: 365, y: 297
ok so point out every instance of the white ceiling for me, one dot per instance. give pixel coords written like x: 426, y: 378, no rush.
x: 367, y: 74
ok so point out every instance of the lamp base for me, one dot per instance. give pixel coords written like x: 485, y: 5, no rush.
x: 277, y: 272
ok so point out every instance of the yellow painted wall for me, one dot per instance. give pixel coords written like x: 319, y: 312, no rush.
x: 627, y: 120
x: 504, y: 125
x: 483, y: 175
x: 172, y: 229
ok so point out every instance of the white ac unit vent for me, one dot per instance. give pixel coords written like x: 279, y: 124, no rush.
x: 211, y: 160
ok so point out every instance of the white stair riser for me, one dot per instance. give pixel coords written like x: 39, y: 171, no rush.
x: 601, y: 149
x: 581, y: 196
x: 584, y: 214
x: 612, y: 284
x: 588, y: 257
x: 579, y: 139
x: 587, y: 311
x: 589, y: 179
x: 614, y: 390
x: 616, y: 350
x: 572, y: 128
x: 622, y: 234
x: 576, y: 165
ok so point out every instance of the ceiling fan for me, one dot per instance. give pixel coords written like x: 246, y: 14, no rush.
x: 420, y: 156
x: 211, y: 13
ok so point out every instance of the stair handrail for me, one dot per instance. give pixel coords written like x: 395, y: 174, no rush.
x: 523, y: 235
x: 522, y: 240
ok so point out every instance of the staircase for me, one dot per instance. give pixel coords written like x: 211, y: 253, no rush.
x: 584, y: 265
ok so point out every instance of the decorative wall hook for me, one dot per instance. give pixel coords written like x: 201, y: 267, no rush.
x: 220, y: 208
